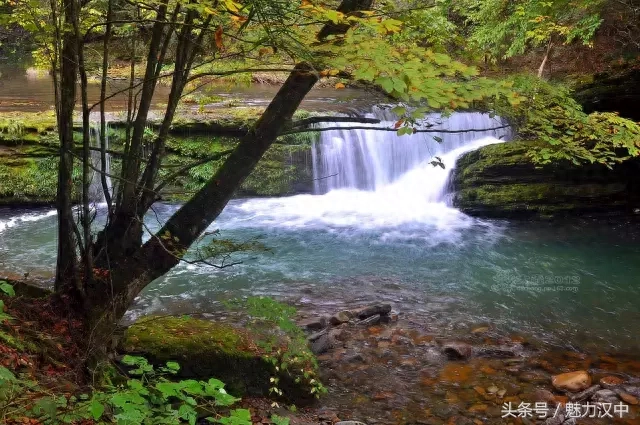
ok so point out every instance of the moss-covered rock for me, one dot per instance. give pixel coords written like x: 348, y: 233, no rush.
x: 206, y: 349
x: 501, y: 181
x: 28, y: 161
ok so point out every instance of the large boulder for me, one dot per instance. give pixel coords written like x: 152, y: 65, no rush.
x: 501, y: 181
x: 204, y: 349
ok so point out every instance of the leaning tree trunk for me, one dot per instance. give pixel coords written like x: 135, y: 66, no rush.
x: 545, y: 59
x: 108, y: 300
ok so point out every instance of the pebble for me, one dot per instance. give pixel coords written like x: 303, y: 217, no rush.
x: 571, y: 381
x: 588, y: 393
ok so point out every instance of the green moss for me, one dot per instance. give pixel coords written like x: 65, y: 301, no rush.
x: 28, y: 180
x: 206, y: 349
x: 176, y: 337
x: 501, y: 180
x: 28, y: 144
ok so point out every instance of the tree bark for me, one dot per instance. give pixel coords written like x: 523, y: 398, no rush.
x: 545, y: 59
x: 67, y: 279
x: 109, y: 302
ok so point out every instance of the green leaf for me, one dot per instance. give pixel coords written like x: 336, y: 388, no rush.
x: 279, y: 420
x: 7, y: 288
x: 6, y: 375
x: 386, y: 83
x: 96, y: 409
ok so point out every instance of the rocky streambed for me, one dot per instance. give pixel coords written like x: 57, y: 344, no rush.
x: 382, y: 367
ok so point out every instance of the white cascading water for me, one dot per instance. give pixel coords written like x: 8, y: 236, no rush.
x: 373, y: 160
x: 378, y: 181
x: 96, y: 191
x: 370, y: 180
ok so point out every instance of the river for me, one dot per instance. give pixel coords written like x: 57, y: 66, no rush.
x: 380, y: 227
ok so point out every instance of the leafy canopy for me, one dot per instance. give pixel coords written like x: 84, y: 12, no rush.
x: 508, y: 28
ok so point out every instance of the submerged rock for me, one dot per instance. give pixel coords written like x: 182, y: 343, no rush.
x: 605, y: 396
x: 571, y: 381
x: 373, y: 310
x: 586, y: 394
x: 455, y: 350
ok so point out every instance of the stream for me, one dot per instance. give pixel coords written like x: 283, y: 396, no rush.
x: 380, y: 227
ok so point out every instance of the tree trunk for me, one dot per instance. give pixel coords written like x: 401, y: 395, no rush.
x: 67, y: 279
x: 545, y: 59
x: 108, y: 301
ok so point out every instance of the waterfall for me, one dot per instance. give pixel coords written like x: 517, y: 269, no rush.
x: 96, y: 191
x: 373, y: 160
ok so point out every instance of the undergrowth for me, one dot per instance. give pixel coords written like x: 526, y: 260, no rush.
x: 35, y: 388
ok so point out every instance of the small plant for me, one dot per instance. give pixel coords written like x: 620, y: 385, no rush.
x: 146, y: 397
x: 291, y: 358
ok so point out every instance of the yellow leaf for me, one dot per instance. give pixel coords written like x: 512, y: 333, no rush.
x: 340, y: 86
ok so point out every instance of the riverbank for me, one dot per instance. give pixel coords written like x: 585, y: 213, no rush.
x: 382, y: 365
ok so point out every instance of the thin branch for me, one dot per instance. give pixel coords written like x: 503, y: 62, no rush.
x: 470, y: 130
x: 188, y: 167
x: 317, y: 120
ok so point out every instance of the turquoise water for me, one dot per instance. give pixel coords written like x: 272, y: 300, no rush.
x: 454, y: 274
x: 381, y: 229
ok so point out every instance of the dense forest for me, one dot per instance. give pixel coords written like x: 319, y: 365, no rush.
x: 151, y: 134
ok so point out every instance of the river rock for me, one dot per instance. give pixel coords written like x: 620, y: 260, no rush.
x: 354, y: 358
x: 314, y: 323
x: 634, y: 391
x: 571, y: 381
x: 611, y: 381
x: 340, y: 318
x: 627, y: 398
x: 455, y: 350
x: 586, y: 394
x: 372, y: 310
x: 498, y: 352
x: 322, y: 344
x: 370, y: 321
x: 314, y: 336
x: 534, y: 377
x: 326, y: 415
x: 544, y: 396
x: 605, y: 396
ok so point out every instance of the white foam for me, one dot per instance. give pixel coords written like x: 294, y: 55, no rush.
x: 24, y: 218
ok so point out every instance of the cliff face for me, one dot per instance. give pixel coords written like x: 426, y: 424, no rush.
x: 618, y: 92
x: 501, y: 181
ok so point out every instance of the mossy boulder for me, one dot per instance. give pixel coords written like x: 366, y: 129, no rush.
x: 501, y: 181
x: 204, y: 349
